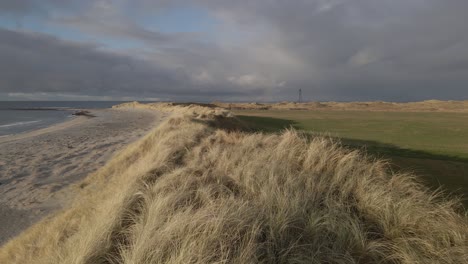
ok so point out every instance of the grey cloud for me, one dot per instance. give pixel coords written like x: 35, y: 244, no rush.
x: 19, y: 6
x: 368, y: 49
x: 102, y: 18
x: 40, y: 7
x: 38, y: 63
x: 333, y: 50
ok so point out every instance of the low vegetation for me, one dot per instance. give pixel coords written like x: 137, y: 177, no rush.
x: 198, y: 189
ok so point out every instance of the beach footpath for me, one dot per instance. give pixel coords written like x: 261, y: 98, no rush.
x: 36, y: 168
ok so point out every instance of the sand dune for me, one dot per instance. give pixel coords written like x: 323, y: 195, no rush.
x: 194, y: 191
x: 423, y: 106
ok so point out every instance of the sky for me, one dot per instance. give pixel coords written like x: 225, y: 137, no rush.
x: 224, y: 50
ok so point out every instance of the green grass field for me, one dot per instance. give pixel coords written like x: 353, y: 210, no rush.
x: 432, y: 145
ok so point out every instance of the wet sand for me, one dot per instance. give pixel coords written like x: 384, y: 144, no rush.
x: 36, y: 167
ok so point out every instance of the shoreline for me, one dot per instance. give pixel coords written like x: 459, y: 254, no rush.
x: 40, y: 122
x: 39, y: 168
x: 74, y: 120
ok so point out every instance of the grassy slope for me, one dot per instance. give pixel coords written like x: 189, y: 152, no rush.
x: 192, y: 191
x: 433, y: 145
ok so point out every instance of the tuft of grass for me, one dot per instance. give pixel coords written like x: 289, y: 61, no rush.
x: 192, y: 192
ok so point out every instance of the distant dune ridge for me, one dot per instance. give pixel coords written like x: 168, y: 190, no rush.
x: 423, y: 106
x: 198, y: 190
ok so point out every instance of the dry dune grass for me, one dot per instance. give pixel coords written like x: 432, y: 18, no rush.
x: 191, y: 192
x: 423, y: 106
x: 200, y: 111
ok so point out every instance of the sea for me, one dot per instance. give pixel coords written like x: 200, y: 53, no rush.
x: 24, y: 116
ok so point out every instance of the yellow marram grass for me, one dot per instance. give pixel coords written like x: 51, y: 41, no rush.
x: 193, y: 192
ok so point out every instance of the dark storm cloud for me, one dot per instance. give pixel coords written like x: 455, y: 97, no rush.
x: 39, y: 7
x: 33, y: 63
x: 368, y: 49
x: 266, y: 49
x: 16, y: 6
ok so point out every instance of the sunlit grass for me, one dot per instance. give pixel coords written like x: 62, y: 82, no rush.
x: 433, y: 145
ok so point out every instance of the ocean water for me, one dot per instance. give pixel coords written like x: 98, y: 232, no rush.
x: 23, y: 116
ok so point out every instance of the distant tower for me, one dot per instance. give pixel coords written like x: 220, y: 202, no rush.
x: 300, y: 96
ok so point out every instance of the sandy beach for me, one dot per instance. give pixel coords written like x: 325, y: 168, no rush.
x: 36, y: 167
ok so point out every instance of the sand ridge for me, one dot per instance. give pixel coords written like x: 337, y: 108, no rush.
x: 422, y: 106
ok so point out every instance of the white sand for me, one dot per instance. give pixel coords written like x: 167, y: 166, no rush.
x: 36, y: 167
